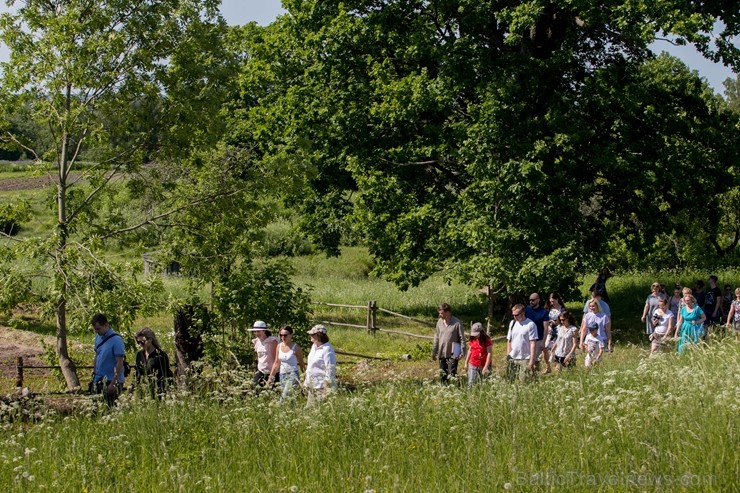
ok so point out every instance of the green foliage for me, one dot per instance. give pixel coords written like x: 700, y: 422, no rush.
x: 501, y: 145
x: 13, y: 215
x: 120, y: 83
x: 280, y: 239
x: 258, y: 292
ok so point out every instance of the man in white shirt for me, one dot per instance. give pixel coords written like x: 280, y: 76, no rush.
x: 520, y: 345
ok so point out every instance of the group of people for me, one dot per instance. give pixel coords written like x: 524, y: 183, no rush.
x: 277, y: 361
x: 282, y: 361
x: 687, y: 313
x: 536, y: 332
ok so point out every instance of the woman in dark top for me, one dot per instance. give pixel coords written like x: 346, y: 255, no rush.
x: 152, y: 363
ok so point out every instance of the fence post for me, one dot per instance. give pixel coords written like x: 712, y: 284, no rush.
x: 369, y: 319
x: 374, y: 316
x: 19, y: 372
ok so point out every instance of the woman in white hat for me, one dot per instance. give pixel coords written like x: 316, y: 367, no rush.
x: 264, y: 345
x: 321, y: 371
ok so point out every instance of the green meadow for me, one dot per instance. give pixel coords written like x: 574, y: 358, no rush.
x: 666, y: 423
x: 639, y: 424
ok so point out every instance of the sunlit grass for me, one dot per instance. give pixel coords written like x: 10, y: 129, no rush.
x: 626, y: 426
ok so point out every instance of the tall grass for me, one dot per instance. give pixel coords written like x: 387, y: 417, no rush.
x: 666, y: 424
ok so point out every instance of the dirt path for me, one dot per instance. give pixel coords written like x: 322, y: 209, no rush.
x: 30, y: 182
x: 15, y: 343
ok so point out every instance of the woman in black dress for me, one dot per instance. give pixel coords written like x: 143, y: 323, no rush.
x: 152, y: 363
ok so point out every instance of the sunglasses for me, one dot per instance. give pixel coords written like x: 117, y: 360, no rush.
x: 285, y: 335
x: 140, y: 342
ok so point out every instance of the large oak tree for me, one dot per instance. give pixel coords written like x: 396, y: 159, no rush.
x: 508, y: 144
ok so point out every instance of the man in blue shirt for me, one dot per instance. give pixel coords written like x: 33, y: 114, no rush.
x: 537, y: 314
x: 108, y: 365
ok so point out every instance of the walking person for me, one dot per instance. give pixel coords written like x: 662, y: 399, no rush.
x: 264, y: 345
x: 554, y: 307
x: 321, y: 370
x: 521, y: 340
x: 602, y: 322
x: 651, y: 304
x: 152, y: 363
x: 110, y: 351
x: 663, y: 321
x: 733, y: 316
x: 713, y: 302
x: 603, y: 305
x: 288, y: 364
x: 478, y: 360
x: 594, y: 346
x: 674, y: 302
x: 537, y: 314
x: 599, y: 286
x: 690, y: 323
x: 448, y: 345
x: 564, y: 348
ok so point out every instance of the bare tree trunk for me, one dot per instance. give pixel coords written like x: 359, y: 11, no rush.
x: 67, y: 366
x: 69, y: 371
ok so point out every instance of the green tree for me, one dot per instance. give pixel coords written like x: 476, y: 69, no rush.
x: 103, y: 77
x: 732, y: 93
x: 503, y: 143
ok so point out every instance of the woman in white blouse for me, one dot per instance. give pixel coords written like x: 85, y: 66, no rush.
x: 321, y: 369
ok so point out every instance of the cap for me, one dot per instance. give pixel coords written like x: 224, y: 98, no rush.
x: 257, y: 326
x: 593, y: 326
x: 476, y: 329
x: 317, y: 329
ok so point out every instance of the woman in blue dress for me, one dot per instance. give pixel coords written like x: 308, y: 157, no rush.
x: 690, y: 322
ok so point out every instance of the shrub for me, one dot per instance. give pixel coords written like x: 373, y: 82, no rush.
x: 250, y: 293
x: 12, y: 215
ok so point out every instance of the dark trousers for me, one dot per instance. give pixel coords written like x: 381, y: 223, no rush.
x: 101, y: 387
x: 260, y: 380
x: 447, y: 368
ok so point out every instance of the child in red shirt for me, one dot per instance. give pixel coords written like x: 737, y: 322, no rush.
x: 478, y: 360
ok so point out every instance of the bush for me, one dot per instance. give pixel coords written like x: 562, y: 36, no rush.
x: 12, y: 215
x: 252, y: 293
x: 281, y: 240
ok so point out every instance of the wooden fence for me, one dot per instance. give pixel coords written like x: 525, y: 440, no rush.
x: 20, y: 367
x: 371, y: 324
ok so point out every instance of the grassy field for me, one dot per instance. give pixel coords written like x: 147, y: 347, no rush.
x: 635, y: 424
x: 659, y: 424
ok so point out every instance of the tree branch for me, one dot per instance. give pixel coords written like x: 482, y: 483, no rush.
x: 92, y: 194
x: 152, y: 220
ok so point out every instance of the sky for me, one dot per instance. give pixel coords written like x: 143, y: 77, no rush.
x: 237, y: 12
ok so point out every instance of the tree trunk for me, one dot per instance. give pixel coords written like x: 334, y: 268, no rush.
x: 67, y: 366
x: 188, y: 343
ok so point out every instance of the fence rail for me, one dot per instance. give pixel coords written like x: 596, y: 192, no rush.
x: 371, y: 324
